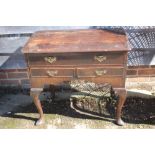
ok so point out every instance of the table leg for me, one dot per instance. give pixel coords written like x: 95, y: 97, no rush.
x: 35, y: 92
x: 122, y: 97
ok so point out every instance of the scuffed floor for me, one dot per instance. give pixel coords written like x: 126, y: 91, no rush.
x: 54, y: 121
x: 18, y: 112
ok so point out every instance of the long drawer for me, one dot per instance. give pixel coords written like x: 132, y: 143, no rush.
x: 76, y: 59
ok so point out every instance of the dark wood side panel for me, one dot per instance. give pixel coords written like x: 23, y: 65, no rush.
x: 116, y: 82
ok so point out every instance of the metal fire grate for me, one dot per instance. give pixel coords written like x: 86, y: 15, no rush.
x: 83, y: 89
x: 91, y: 97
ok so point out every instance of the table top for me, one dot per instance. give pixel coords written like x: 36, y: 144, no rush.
x: 63, y: 41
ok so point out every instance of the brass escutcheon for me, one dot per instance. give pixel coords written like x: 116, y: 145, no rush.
x: 52, y: 73
x: 100, y: 72
x: 100, y: 58
x: 50, y: 59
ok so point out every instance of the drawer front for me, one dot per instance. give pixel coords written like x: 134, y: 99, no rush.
x: 47, y: 72
x: 77, y: 59
x: 99, y: 72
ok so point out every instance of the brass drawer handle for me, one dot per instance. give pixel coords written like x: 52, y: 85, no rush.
x: 50, y: 59
x: 52, y: 73
x: 100, y: 58
x: 101, y: 72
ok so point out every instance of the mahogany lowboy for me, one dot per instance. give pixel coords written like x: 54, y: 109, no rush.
x: 95, y: 55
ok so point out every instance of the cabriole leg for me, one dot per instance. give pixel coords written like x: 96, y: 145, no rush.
x: 35, y: 92
x: 122, y: 97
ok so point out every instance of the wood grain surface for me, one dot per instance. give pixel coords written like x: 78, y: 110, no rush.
x: 76, y: 41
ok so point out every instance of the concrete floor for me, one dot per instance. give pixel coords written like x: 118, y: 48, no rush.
x: 18, y: 112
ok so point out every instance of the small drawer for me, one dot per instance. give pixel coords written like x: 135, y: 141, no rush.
x: 48, y: 72
x: 77, y: 59
x: 99, y: 72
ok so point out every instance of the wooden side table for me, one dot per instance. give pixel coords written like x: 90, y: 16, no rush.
x: 94, y: 55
